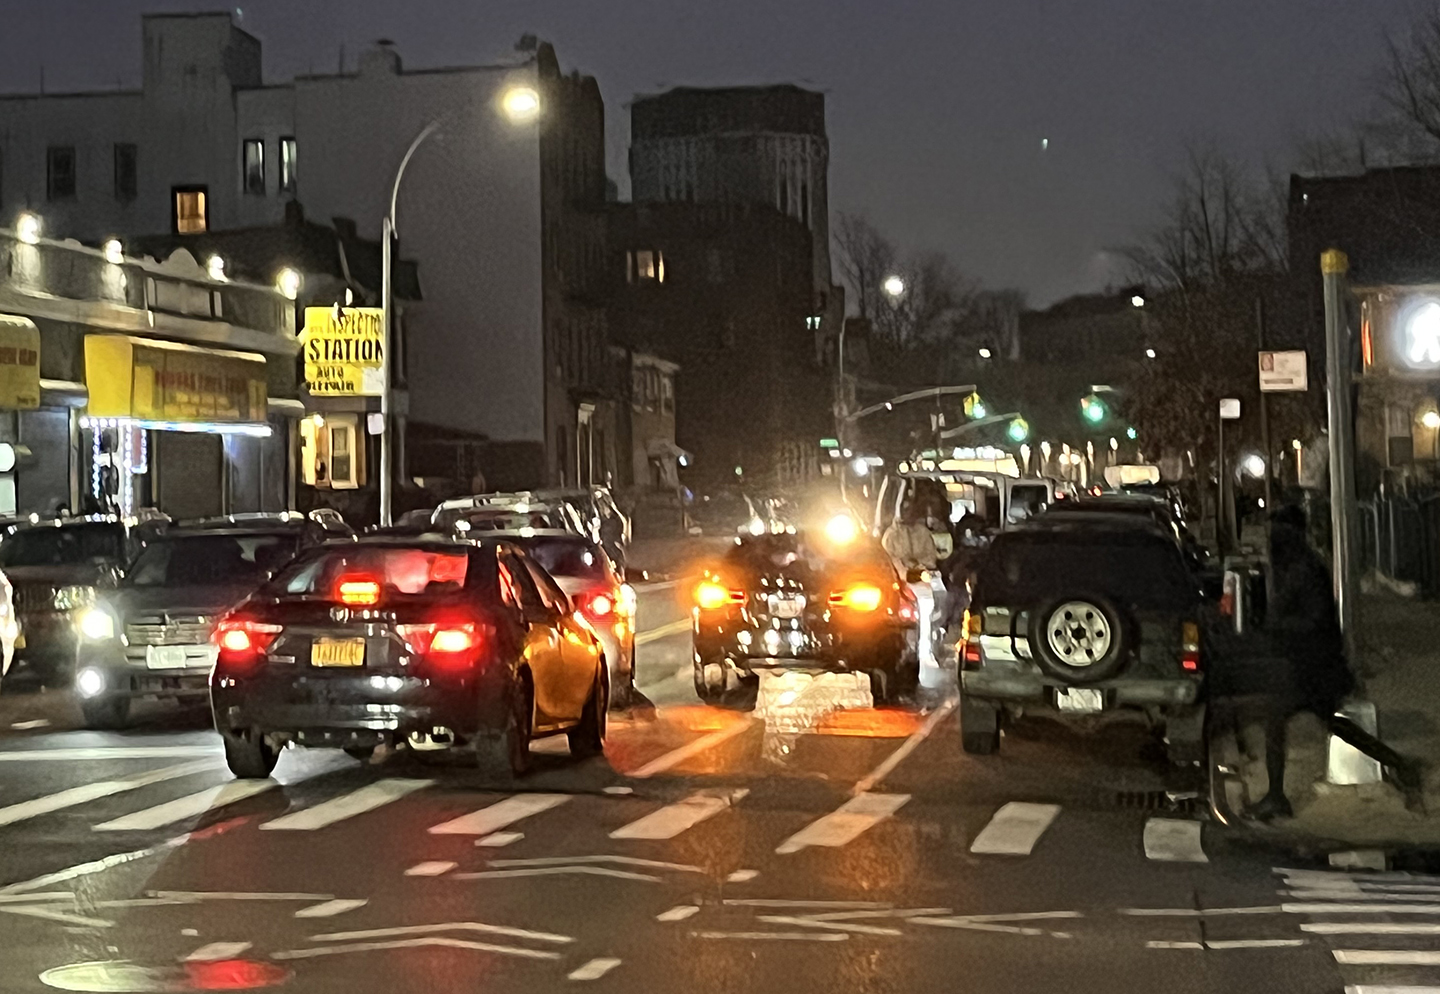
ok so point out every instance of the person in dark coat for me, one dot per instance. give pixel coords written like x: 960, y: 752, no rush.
x: 1311, y: 671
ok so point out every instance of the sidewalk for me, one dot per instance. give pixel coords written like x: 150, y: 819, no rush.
x: 1399, y: 668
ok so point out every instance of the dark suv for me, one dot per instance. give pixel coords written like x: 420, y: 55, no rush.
x: 1080, y: 619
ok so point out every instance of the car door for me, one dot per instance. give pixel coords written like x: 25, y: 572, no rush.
x: 579, y: 652
x: 543, y: 639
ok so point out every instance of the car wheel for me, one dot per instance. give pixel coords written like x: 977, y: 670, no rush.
x: 509, y: 751
x: 249, y: 756
x: 588, y: 737
x: 1079, y: 639
x: 107, y: 712
x: 979, y: 728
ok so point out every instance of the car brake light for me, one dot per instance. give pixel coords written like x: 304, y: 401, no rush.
x: 712, y: 596
x: 1190, y: 647
x: 445, y: 643
x: 973, y: 626
x: 449, y: 640
x: 600, y: 606
x: 358, y: 591
x: 243, y: 641
x: 858, y: 597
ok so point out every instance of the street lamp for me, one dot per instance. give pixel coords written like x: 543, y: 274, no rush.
x: 521, y: 104
x: 114, y: 251
x: 1137, y: 301
x: 27, y: 228
x: 984, y: 353
x: 288, y: 281
x: 894, y: 286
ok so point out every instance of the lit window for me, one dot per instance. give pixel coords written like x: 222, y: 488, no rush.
x: 254, y: 166
x: 127, y: 176
x: 60, y: 175
x: 646, y: 266
x: 191, y: 215
x: 329, y: 457
x: 287, y: 165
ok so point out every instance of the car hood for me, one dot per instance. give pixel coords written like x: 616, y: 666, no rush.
x: 180, y: 601
x: 88, y: 574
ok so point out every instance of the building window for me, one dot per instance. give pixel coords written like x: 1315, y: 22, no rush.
x: 330, y: 458
x: 60, y: 174
x: 667, y: 394
x: 287, y: 165
x: 645, y: 266
x: 127, y: 178
x: 191, y: 213
x: 254, y: 165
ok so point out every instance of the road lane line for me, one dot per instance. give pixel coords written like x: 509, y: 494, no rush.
x: 31, y: 725
x: 399, y: 930
x: 1172, y: 840
x: 1361, y: 909
x: 236, y: 895
x: 329, y: 909
x: 501, y: 814
x: 50, y: 914
x: 692, y: 749
x: 1267, y: 909
x: 558, y: 871
x: 663, y: 632
x: 678, y: 913
x: 960, y: 921
x: 653, y: 864
x: 92, y: 866
x: 432, y: 940
x: 783, y: 936
x: 1158, y: 944
x: 845, y: 823
x: 1253, y: 943
x: 770, y: 902
x: 1015, y: 829
x: 1390, y: 989
x: 194, y: 806
x: 675, y: 818
x: 94, y: 791
x: 497, y: 839
x: 804, y: 922
x: 1387, y: 957
x: 212, y: 951
x: 742, y: 876
x: 56, y: 895
x: 595, y: 969
x: 1363, y: 895
x: 430, y: 868
x: 906, y: 748
x: 337, y: 809
x: 1370, y: 928
x: 108, y: 752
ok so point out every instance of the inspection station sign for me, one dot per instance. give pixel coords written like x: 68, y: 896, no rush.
x: 344, y: 351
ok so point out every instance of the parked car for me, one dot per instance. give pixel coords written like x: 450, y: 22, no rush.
x: 504, y: 512
x: 793, y: 601
x: 313, y: 528
x: 151, y: 636
x: 587, y: 576
x: 432, y: 644
x: 1156, y: 510
x: 10, y: 634
x: 1079, y: 620
x: 601, y: 516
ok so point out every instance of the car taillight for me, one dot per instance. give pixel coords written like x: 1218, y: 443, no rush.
x: 1190, y: 647
x: 599, y: 606
x: 970, y: 648
x: 243, y: 642
x: 358, y: 591
x: 448, y: 645
x: 863, y: 597
x: 712, y: 596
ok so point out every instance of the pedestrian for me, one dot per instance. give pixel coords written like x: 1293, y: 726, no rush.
x: 908, y: 541
x: 1308, y: 670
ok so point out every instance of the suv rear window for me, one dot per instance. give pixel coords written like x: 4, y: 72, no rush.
x: 1026, y: 568
x: 211, y: 560
x: 399, y: 570
x: 68, y: 545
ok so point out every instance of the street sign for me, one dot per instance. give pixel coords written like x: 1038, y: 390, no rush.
x: 1283, y: 372
x: 344, y: 351
x: 1229, y: 408
x: 829, y: 443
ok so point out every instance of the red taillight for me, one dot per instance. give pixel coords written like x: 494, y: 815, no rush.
x: 447, y: 644
x: 862, y: 597
x: 242, y: 641
x: 972, y: 627
x: 711, y: 596
x: 600, y: 606
x: 358, y: 591
x: 1190, y: 647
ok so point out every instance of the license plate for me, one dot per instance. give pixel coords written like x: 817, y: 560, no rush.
x: 337, y: 652
x: 179, y: 657
x: 786, y: 607
x: 1080, y: 701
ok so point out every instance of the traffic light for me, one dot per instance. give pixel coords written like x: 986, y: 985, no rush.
x: 974, y: 406
x: 1131, y: 434
x: 1019, y: 430
x: 1093, y: 409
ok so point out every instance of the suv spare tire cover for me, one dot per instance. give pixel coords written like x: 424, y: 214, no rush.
x: 1080, y: 638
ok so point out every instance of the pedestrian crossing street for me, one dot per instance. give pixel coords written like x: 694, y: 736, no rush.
x: 314, y: 801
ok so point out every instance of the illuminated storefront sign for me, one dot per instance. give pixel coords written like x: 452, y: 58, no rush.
x: 181, y: 387
x: 19, y: 364
x: 344, y: 351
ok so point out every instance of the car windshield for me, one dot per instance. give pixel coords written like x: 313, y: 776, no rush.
x: 490, y: 519
x: 567, y: 557
x: 211, y: 560
x: 68, y: 545
x: 397, y: 571
x: 1134, y: 567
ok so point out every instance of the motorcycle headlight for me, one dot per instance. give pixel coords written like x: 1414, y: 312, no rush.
x: 74, y: 598
x: 97, y: 624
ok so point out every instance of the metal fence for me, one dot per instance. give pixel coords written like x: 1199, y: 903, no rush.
x: 1400, y: 539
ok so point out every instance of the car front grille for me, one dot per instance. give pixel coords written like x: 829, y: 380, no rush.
x: 172, y: 631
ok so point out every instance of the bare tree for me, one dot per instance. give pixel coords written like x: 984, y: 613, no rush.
x: 865, y: 258
x: 1411, y: 83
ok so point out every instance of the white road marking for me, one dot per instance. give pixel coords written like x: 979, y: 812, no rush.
x: 430, y: 868
x: 961, y: 921
x: 497, y: 839
x: 329, y: 909
x: 1172, y: 840
x: 60, y: 800
x: 845, y: 823
x: 1370, y: 928
x: 1392, y: 989
x: 678, y: 913
x: 742, y: 876
x: 595, y: 969
x: 558, y: 871
x: 1361, y: 909
x: 501, y: 814
x: 236, y: 895
x: 1266, y: 909
x: 185, y: 808
x: 50, y: 914
x: 1015, y: 829
x: 804, y: 922
x: 767, y: 902
x: 617, y: 790
x: 54, y: 895
x: 384, y: 933
x: 906, y: 748
x: 212, y: 951
x: 1253, y: 943
x: 1358, y: 859
x: 691, y: 749
x: 663, y: 632
x: 1387, y: 957
x: 675, y: 818
x: 653, y: 864
x: 1362, y: 895
x: 108, y: 752
x: 337, y: 809
x: 909, y: 913
x: 792, y: 936
x: 1155, y: 944
x: 433, y: 940
x: 33, y: 723
x: 93, y: 866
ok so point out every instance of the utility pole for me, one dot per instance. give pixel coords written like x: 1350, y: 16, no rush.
x: 1264, y: 410
x: 1333, y: 267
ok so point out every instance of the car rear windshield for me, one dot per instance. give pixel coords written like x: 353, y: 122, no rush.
x: 69, y: 545
x: 497, y: 519
x: 1140, y: 569
x: 567, y: 557
x: 212, y: 560
x: 400, y: 571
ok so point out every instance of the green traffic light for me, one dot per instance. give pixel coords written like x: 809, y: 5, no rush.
x: 1093, y: 408
x: 1131, y: 434
x: 1018, y: 430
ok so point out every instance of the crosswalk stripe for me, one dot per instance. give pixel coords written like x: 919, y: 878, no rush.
x: 501, y: 814
x: 675, y: 818
x: 25, y: 810
x: 1390, y: 989
x: 845, y: 823
x: 1172, y: 840
x: 1015, y: 829
x: 1387, y: 957
x: 1370, y: 928
x: 357, y: 802
x: 183, y: 808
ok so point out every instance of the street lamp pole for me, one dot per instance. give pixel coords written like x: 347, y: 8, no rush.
x: 387, y: 306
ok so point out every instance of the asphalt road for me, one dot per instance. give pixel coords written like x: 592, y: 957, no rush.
x: 796, y: 849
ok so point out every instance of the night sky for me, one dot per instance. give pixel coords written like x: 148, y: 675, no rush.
x: 937, y: 108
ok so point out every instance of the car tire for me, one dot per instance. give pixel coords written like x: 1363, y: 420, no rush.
x: 108, y: 712
x: 743, y: 696
x: 509, y: 750
x: 588, y: 738
x: 1079, y: 639
x: 979, y: 728
x: 249, y: 757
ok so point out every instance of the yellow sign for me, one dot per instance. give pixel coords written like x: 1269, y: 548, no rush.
x: 344, y: 351
x: 19, y: 364
x: 167, y: 382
